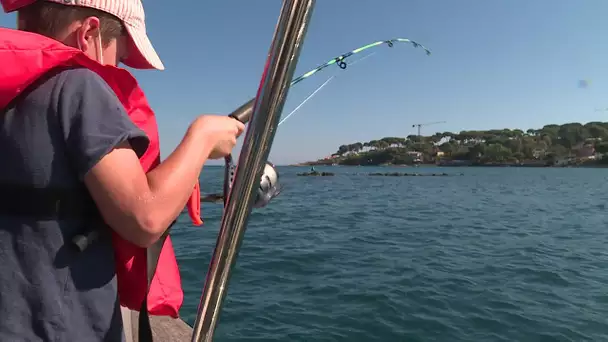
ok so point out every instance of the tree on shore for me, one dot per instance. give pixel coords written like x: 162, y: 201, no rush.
x: 548, y: 143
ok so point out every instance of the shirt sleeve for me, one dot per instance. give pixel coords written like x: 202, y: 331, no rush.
x: 93, y: 120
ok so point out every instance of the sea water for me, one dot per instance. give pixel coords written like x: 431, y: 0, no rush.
x: 485, y: 254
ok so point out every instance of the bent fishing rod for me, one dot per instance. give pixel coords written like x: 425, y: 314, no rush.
x: 255, y: 181
x: 243, y: 113
x: 269, y: 184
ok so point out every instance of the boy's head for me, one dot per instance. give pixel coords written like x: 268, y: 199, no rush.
x: 109, y: 31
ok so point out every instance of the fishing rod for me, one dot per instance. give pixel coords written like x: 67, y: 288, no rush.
x: 243, y: 113
x: 256, y: 181
x: 269, y: 185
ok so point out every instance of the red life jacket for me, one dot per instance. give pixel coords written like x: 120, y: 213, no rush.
x: 25, y: 58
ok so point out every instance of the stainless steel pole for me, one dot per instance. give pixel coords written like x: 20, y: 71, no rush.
x: 278, y: 72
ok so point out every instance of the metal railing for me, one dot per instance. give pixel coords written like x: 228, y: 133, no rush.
x: 268, y: 105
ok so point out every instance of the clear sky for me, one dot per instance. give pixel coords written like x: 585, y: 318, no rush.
x: 495, y: 64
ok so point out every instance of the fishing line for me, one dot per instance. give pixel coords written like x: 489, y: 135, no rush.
x: 319, y: 88
x: 306, y: 100
x: 244, y: 112
x: 269, y: 186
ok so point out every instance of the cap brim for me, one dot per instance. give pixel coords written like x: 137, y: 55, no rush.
x: 141, y: 53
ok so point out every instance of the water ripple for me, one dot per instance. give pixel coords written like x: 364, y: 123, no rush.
x: 493, y: 255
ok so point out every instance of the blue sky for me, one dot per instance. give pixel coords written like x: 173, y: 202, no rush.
x: 495, y: 64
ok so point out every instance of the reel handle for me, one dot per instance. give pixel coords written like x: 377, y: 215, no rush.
x: 244, y: 112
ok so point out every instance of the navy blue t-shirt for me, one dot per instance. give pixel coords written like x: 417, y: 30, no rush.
x: 51, y: 137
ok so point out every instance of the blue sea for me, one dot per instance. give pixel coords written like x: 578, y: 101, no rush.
x: 485, y: 254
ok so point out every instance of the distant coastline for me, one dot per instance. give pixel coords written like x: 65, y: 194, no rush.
x: 523, y: 165
x: 567, y: 145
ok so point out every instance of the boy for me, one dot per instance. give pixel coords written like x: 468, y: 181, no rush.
x: 66, y: 139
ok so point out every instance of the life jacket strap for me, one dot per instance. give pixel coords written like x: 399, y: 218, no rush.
x: 152, y: 257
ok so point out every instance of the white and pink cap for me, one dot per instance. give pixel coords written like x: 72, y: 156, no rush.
x: 131, y: 12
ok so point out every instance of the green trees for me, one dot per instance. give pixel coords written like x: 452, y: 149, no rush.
x: 601, y: 147
x: 490, y: 146
x: 391, y: 155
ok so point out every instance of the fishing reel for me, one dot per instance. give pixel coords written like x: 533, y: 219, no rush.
x: 268, y: 188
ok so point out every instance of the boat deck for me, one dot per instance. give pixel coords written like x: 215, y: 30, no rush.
x: 165, y: 329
